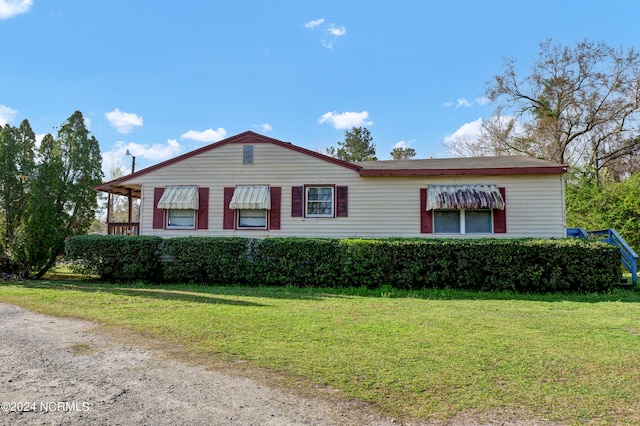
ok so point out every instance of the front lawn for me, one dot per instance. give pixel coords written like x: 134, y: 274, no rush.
x: 432, y: 354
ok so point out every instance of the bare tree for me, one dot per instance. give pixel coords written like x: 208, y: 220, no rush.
x: 578, y: 105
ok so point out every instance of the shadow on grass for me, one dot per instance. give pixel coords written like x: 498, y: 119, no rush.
x: 151, y: 292
x: 207, y: 294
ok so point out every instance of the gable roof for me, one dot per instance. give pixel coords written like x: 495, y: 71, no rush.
x: 508, y: 165
x: 247, y: 137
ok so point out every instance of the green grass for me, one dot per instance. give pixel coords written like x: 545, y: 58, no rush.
x: 430, y: 354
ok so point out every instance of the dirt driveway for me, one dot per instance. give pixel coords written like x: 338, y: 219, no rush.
x: 56, y: 371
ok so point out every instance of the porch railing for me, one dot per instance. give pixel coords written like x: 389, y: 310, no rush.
x: 123, y: 228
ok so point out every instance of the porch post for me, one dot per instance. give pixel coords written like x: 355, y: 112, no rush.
x: 129, y: 196
x: 108, y: 209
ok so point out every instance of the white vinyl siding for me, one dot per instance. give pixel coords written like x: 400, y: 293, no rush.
x: 378, y: 206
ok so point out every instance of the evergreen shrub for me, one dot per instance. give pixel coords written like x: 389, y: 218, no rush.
x: 210, y: 260
x: 520, y: 265
x: 116, y: 257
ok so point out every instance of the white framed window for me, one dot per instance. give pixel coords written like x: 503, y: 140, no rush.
x: 252, y: 219
x: 181, y: 219
x: 320, y: 201
x: 462, y: 221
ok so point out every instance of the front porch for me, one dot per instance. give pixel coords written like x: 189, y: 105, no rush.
x: 123, y: 217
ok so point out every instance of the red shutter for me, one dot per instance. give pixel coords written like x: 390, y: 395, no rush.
x: 297, y: 201
x: 229, y: 215
x: 158, y: 214
x: 276, y: 201
x: 342, y: 198
x: 426, y: 216
x: 500, y: 216
x: 203, y: 208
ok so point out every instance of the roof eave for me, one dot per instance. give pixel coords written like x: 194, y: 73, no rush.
x: 463, y: 172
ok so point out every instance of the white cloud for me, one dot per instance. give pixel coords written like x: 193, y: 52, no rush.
x: 346, y: 120
x: 337, y: 31
x: 208, y: 135
x: 463, y: 102
x: 7, y: 114
x: 123, y: 122
x: 472, y: 130
x: 331, y: 31
x: 314, y: 23
x: 154, y: 153
x: 10, y: 8
x: 264, y: 127
x: 467, y: 131
x: 403, y: 144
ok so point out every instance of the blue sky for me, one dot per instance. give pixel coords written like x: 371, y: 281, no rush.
x: 161, y: 78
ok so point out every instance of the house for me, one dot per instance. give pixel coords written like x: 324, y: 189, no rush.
x: 251, y: 185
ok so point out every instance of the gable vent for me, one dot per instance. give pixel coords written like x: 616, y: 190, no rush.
x: 247, y: 154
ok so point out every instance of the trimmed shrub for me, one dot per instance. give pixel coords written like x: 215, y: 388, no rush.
x: 304, y: 262
x: 213, y: 260
x: 402, y: 264
x: 520, y: 265
x: 116, y: 257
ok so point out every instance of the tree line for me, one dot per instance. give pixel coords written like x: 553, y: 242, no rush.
x: 46, y: 193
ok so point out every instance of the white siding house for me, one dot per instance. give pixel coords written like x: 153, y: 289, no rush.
x: 250, y: 185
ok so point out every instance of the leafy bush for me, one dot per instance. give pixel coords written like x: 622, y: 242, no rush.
x: 521, y: 265
x: 602, y: 205
x: 305, y: 262
x: 214, y: 260
x: 116, y: 257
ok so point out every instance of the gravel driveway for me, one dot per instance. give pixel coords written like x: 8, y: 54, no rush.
x: 56, y: 371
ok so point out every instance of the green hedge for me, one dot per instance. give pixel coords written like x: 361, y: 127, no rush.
x: 116, y: 257
x: 521, y: 265
x: 214, y: 260
x: 303, y: 262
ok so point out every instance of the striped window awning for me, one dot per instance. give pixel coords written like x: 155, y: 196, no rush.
x: 251, y: 198
x: 179, y: 197
x: 464, y: 197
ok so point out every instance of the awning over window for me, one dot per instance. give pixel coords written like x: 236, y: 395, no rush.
x: 464, y: 197
x: 251, y: 197
x: 179, y: 197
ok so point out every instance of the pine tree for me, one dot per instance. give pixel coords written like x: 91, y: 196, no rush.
x: 356, y: 146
